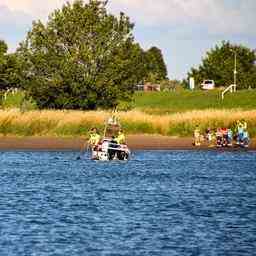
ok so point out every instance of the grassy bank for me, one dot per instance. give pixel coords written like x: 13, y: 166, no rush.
x: 181, y: 101
x: 77, y: 123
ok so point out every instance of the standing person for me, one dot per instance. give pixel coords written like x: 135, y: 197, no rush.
x: 224, y: 137
x: 210, y: 137
x: 218, y: 137
x: 246, y: 139
x: 240, y: 134
x: 197, y: 138
x: 94, y: 138
x: 208, y: 134
x: 230, y: 137
x: 244, y: 124
x: 93, y: 142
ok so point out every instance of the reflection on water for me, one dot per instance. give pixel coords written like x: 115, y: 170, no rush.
x: 159, y: 203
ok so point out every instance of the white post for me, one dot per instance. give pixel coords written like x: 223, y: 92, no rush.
x: 235, y: 67
x: 191, y: 83
x: 235, y: 71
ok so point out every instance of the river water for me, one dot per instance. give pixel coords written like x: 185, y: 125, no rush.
x: 159, y: 203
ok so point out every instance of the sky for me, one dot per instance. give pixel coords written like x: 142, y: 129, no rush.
x: 183, y: 29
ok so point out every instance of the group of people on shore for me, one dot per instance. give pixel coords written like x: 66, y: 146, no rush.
x: 221, y: 137
x: 224, y: 137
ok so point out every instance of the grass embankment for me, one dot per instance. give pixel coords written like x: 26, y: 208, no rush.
x: 172, y: 102
x: 77, y: 123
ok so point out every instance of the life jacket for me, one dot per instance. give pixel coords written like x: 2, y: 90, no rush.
x: 238, y: 125
x: 120, y: 138
x: 244, y: 125
x: 94, y: 138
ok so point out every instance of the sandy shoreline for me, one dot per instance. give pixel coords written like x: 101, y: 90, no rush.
x: 135, y: 142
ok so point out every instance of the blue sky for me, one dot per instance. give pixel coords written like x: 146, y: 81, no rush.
x: 183, y: 29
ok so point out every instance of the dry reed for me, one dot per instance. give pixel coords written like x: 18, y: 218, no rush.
x: 77, y: 123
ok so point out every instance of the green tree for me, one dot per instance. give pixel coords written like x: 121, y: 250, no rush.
x: 3, y: 49
x: 3, y: 62
x: 219, y: 66
x: 9, y: 68
x: 82, y: 58
x: 156, y: 70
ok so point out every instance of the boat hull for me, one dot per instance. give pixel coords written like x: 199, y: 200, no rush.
x: 108, y: 151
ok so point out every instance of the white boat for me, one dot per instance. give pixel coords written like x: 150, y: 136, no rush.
x: 108, y: 150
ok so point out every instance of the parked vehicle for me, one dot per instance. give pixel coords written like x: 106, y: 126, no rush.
x: 208, y: 85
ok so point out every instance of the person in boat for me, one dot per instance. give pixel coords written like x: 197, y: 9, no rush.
x: 94, y: 138
x: 120, y: 139
x: 112, y: 148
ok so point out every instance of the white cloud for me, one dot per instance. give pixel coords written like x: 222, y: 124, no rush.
x: 173, y: 25
x: 35, y: 8
x: 216, y: 15
x: 16, y: 18
x: 219, y: 17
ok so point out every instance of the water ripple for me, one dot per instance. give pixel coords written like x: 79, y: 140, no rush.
x: 159, y: 203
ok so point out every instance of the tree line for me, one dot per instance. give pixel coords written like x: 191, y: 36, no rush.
x: 222, y: 61
x: 82, y: 58
x: 86, y: 58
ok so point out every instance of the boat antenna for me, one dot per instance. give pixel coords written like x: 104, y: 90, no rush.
x: 111, y: 120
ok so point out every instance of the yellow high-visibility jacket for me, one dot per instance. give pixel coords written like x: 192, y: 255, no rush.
x: 244, y: 125
x: 120, y: 138
x: 94, y: 139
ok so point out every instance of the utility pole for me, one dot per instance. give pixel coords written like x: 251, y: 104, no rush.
x: 235, y: 66
x: 235, y: 71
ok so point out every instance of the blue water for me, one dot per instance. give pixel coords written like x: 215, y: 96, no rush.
x: 159, y: 203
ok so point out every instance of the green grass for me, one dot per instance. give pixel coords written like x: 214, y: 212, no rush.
x: 172, y: 102
x: 166, y: 113
x: 17, y: 99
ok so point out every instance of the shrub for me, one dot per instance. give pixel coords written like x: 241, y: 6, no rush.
x: 17, y: 99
